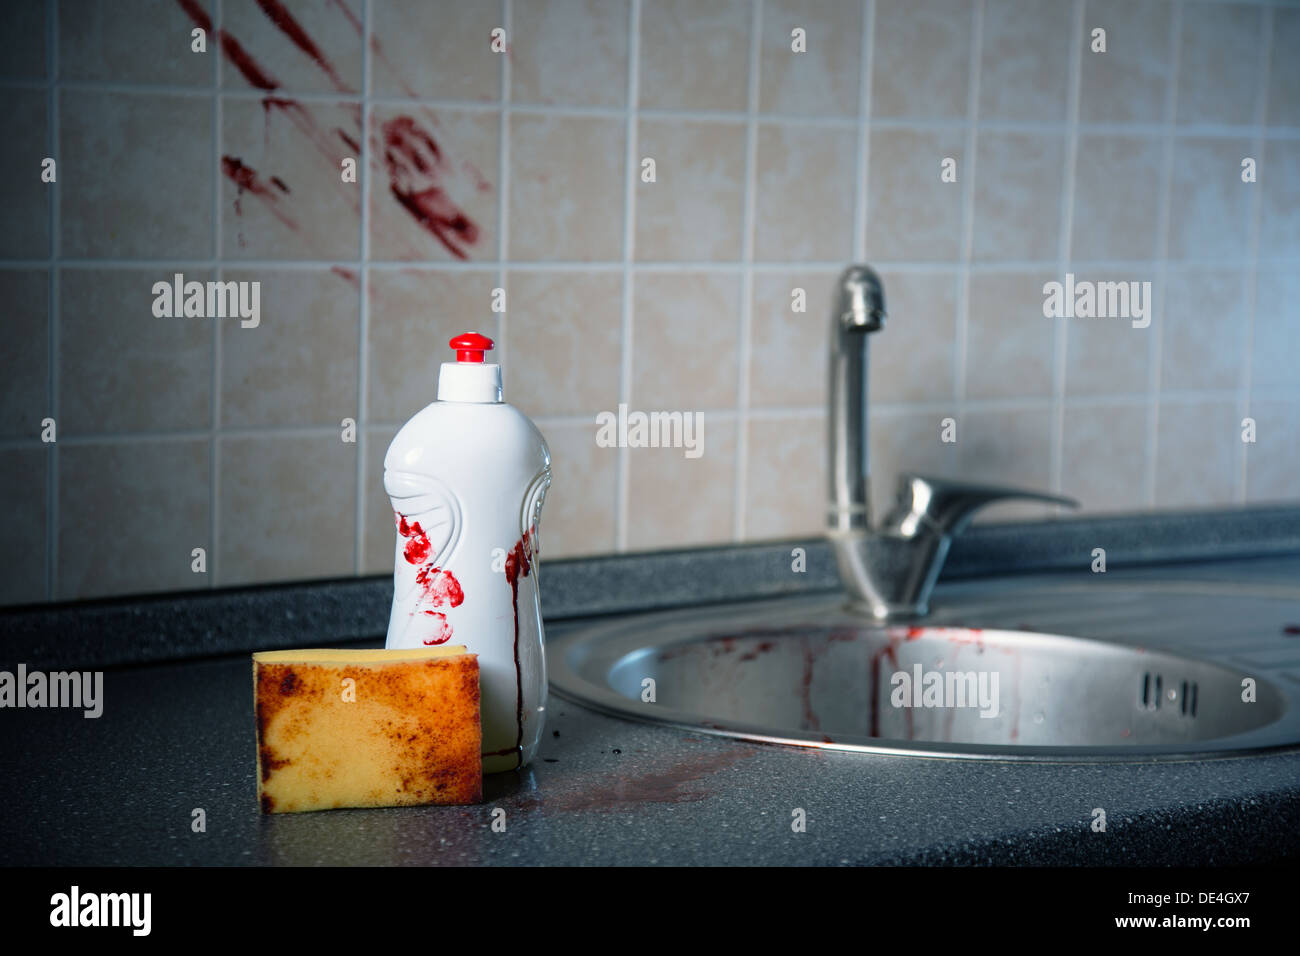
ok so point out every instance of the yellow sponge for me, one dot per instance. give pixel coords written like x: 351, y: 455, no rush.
x: 367, y: 728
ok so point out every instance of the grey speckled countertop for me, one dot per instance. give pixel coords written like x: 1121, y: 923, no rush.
x: 179, y: 736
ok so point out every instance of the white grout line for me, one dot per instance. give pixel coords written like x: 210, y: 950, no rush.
x: 1151, y: 463
x: 1252, y: 275
x: 630, y: 171
x: 1062, y: 339
x: 503, y: 175
x: 214, y: 411
x: 1223, y: 130
x: 616, y: 265
x: 740, y: 486
x: 52, y: 378
x: 962, y: 329
x: 1038, y: 403
x: 363, y: 294
x: 862, y: 163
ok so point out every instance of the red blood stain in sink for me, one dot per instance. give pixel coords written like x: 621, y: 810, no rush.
x: 1291, y: 629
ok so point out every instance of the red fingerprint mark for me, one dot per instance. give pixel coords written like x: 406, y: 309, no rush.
x: 415, y: 170
x: 417, y: 542
x: 440, y: 587
x: 443, y: 633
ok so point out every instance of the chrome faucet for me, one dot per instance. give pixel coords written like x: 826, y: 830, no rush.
x: 891, y: 569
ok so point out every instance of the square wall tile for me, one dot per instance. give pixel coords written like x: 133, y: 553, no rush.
x: 548, y: 35
x: 24, y: 198
x: 413, y: 315
x: 1197, y: 448
x: 282, y: 194
x: 804, y: 204
x: 1025, y: 62
x: 912, y: 214
x: 1116, y: 198
x: 920, y: 58
x: 136, y: 172
x: 288, y: 508
x: 298, y: 366
x: 1209, y: 217
x: 1108, y: 355
x: 679, y: 502
x: 1222, y: 44
x: 315, y: 47
x: 579, y: 515
x: 1018, y: 182
x: 1279, y: 178
x: 130, y: 514
x: 785, y: 483
x: 785, y: 346
x: 914, y: 362
x: 1129, y: 83
x: 440, y: 49
x: 696, y: 205
x: 1010, y: 344
x: 1273, y: 461
x: 1008, y: 447
x: 133, y: 41
x: 1276, y: 342
x: 378, y: 550
x: 431, y: 197
x: 25, y: 360
x: 1104, y: 456
x: 903, y: 441
x: 22, y: 44
x: 22, y: 524
x: 695, y: 56
x: 822, y: 80
x: 1284, y: 70
x: 564, y: 335
x: 566, y: 188
x: 121, y: 368
x: 685, y: 326
x: 1204, y: 329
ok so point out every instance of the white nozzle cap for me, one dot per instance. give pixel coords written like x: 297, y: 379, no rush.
x: 469, y: 382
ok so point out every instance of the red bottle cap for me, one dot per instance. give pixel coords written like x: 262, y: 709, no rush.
x: 470, y: 346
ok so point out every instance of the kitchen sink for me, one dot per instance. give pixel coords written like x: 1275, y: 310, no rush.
x: 1024, y: 669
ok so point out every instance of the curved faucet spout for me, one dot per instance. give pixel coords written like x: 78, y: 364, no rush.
x: 891, y: 569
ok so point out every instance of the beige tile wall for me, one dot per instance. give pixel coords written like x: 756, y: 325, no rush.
x: 774, y: 168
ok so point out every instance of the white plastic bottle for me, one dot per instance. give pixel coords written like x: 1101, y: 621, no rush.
x: 467, y: 476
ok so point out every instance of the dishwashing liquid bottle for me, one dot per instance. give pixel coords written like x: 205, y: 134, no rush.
x: 467, y: 476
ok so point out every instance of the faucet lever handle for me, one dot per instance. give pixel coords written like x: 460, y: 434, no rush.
x: 945, y: 506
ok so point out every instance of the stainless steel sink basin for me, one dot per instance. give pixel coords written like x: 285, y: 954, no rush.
x: 1154, y: 671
